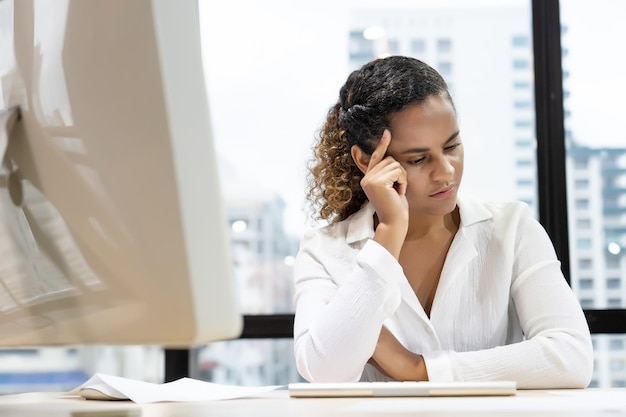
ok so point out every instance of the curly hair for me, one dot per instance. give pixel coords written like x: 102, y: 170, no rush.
x: 369, y: 97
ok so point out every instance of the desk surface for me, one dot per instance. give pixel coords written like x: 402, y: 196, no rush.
x: 589, y: 402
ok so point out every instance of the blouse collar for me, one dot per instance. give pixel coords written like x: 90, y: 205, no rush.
x: 360, y: 225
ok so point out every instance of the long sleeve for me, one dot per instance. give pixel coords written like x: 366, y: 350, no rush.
x: 336, y: 329
x: 556, y: 351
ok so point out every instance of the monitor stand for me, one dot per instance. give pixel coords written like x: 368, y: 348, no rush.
x: 9, y: 178
x: 177, y: 364
x: 8, y: 117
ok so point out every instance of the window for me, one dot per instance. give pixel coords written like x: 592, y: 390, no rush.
x: 582, y: 204
x: 521, y: 64
x: 613, y: 262
x: 19, y: 353
x: 418, y: 46
x: 618, y: 383
x: 445, y: 68
x: 522, y: 124
x: 613, y: 284
x: 586, y: 302
x: 580, y: 162
x: 521, y: 41
x: 581, y: 184
x: 617, y: 364
x: 614, y: 303
x: 394, y: 46
x: 444, y: 45
x: 359, y: 47
x: 585, y: 283
x: 616, y: 344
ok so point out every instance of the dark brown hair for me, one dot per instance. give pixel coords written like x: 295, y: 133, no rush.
x: 360, y: 116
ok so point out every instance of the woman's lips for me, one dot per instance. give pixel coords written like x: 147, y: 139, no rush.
x: 444, y: 192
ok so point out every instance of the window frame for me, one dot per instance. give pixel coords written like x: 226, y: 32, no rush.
x: 549, y: 119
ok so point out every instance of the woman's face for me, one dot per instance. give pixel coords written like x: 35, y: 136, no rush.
x: 425, y: 140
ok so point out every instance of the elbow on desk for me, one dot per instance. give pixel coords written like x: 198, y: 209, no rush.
x: 580, y: 372
x: 325, y: 373
x: 572, y: 366
x: 315, y: 365
x: 577, y: 377
x: 328, y: 374
x: 580, y: 376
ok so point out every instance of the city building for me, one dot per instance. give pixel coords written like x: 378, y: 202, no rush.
x: 263, y: 256
x: 597, y: 209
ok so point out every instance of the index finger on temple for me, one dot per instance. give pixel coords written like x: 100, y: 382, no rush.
x: 381, y: 149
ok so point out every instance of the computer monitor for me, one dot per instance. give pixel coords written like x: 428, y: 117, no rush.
x: 112, y: 228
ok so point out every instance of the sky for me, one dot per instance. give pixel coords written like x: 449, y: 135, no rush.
x: 275, y: 67
x: 595, y: 60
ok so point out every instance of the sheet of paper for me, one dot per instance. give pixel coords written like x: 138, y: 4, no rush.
x: 184, y: 389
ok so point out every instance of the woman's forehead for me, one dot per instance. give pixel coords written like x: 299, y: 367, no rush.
x: 432, y: 109
x: 430, y: 122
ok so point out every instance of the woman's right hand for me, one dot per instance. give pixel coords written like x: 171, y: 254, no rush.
x: 385, y: 185
x: 396, y: 361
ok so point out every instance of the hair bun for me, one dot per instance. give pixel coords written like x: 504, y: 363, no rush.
x: 353, y: 114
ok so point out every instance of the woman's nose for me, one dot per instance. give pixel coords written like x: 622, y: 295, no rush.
x: 443, y: 170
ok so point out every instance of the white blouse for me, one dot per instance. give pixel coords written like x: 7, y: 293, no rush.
x: 502, y: 309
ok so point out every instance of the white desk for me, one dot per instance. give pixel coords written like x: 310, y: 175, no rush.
x: 590, y: 402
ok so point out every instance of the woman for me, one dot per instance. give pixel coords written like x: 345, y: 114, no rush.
x: 409, y: 281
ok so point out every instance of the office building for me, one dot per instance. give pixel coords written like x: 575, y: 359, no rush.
x: 596, y: 197
x: 262, y: 257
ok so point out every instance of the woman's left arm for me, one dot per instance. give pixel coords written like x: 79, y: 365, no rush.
x: 556, y: 351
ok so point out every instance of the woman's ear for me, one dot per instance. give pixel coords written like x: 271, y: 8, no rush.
x: 360, y: 158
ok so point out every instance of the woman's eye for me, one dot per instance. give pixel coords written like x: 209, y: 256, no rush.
x: 452, y: 147
x: 417, y: 161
